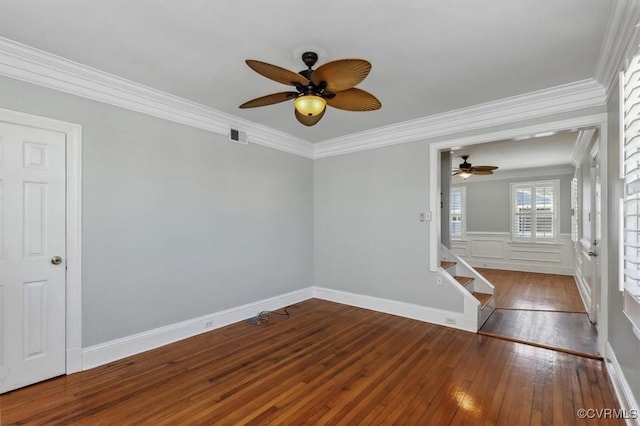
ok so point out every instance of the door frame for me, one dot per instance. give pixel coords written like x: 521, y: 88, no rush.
x: 596, y: 225
x: 598, y: 121
x: 73, y: 171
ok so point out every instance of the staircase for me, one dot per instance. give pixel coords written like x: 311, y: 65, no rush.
x: 472, y: 283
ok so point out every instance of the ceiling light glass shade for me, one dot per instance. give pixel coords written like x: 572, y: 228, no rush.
x: 464, y: 175
x: 310, y: 105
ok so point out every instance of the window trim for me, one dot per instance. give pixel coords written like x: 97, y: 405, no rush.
x: 555, y: 183
x: 631, y: 188
x: 463, y: 216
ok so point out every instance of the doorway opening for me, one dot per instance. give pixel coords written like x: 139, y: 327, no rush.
x: 69, y: 135
x: 499, y: 245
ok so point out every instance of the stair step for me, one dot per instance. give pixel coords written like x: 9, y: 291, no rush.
x: 464, y: 280
x: 483, y: 298
x: 446, y: 264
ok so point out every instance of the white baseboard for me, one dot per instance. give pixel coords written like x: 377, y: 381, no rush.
x: 394, y: 307
x: 621, y: 386
x: 74, y: 360
x: 583, y: 289
x: 523, y: 267
x: 113, y: 350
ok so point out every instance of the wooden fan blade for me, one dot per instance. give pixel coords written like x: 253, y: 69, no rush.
x: 354, y: 100
x: 271, y: 99
x: 456, y: 172
x: 484, y: 167
x: 309, y: 121
x: 275, y: 73
x: 342, y: 74
x: 481, y: 172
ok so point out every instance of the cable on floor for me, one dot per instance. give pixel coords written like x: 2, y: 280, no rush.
x: 263, y: 316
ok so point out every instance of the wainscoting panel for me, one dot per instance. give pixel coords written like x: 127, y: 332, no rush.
x: 496, y: 250
x: 487, y: 248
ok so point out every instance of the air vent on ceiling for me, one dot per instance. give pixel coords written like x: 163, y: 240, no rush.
x: 238, y: 136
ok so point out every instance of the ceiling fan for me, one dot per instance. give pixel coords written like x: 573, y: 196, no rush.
x: 465, y: 169
x: 330, y: 84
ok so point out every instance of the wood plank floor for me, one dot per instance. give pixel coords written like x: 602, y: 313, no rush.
x: 540, y: 309
x: 566, y: 331
x: 528, y: 290
x: 327, y: 364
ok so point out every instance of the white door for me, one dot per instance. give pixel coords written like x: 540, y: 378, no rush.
x: 32, y: 255
x: 596, y: 232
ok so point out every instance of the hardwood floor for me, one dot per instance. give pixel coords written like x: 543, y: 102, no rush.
x: 528, y: 290
x: 540, y: 309
x: 327, y: 364
x: 565, y: 331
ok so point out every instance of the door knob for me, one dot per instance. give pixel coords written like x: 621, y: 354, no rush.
x: 593, y: 254
x: 56, y: 260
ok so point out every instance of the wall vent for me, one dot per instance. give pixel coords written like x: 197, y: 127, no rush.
x: 238, y: 136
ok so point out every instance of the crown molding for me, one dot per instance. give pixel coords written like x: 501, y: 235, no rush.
x: 542, y: 103
x: 31, y: 65
x: 621, y: 40
x: 34, y: 66
x: 581, y: 147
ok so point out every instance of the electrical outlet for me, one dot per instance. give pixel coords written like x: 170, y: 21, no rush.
x: 450, y: 320
x: 208, y: 324
x: 439, y: 281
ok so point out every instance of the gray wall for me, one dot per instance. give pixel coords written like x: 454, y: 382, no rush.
x: 368, y: 238
x: 488, y: 208
x: 177, y: 222
x: 623, y: 341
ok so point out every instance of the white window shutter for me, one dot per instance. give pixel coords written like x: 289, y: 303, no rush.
x: 630, y: 117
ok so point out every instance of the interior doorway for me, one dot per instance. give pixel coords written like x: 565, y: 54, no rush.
x: 40, y: 279
x: 488, y: 246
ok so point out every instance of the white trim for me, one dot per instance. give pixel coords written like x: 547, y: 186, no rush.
x: 621, y: 38
x: 73, y: 134
x: 116, y: 349
x: 35, y: 66
x: 394, y: 307
x: 543, y: 103
x: 496, y: 250
x: 583, y: 142
x: 522, y: 267
x: 621, y: 385
x: 488, y: 233
x: 621, y: 124
x: 113, y: 350
x: 583, y: 290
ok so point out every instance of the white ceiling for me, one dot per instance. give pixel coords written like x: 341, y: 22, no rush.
x: 529, y: 152
x: 428, y: 56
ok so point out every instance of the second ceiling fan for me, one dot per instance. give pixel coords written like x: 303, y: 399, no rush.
x: 466, y: 169
x: 330, y: 84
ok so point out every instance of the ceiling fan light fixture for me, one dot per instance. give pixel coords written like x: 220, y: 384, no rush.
x: 464, y: 174
x: 310, y: 105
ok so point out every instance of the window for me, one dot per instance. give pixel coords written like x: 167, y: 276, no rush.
x: 574, y: 209
x: 630, y: 146
x: 533, y: 210
x: 457, y: 225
